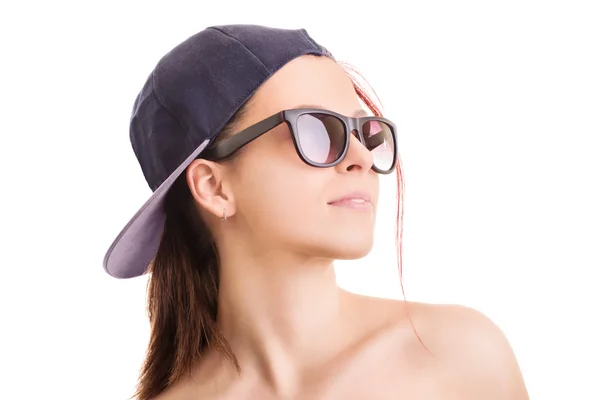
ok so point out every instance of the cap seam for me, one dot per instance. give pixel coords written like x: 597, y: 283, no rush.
x: 243, y: 45
x: 246, y: 95
x: 162, y: 104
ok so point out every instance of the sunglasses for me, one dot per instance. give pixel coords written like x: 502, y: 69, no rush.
x: 321, y: 137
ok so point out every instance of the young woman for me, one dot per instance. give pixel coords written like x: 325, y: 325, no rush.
x: 264, y: 167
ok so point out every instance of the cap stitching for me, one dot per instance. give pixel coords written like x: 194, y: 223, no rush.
x: 242, y: 44
x: 246, y: 95
x: 162, y: 103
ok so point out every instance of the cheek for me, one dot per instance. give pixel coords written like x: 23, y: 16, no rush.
x: 280, y: 195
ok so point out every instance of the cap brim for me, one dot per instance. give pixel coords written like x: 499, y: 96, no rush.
x: 135, y: 247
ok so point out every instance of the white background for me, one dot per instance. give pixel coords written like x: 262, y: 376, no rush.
x: 497, y: 104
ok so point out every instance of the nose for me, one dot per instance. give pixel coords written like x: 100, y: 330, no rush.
x: 357, y: 158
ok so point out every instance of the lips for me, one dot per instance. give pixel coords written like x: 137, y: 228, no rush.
x: 356, y: 200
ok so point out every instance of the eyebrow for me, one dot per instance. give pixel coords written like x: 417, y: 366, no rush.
x: 356, y: 113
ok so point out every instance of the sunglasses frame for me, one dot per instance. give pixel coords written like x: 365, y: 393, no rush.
x: 351, y: 124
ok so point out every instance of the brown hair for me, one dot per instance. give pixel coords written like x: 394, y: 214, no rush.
x: 184, y: 282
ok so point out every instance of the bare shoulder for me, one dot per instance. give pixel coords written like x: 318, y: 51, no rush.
x: 479, y: 357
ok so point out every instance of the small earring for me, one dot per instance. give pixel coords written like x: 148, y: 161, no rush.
x: 224, y: 217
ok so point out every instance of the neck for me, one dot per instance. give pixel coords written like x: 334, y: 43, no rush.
x: 280, y: 313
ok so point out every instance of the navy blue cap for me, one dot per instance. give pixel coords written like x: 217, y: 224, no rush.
x: 186, y: 101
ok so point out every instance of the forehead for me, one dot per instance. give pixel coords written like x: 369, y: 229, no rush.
x: 306, y: 80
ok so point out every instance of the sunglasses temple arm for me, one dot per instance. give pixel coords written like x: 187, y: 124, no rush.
x: 234, y: 143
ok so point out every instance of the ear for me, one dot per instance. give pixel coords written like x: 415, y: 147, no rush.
x: 209, y: 188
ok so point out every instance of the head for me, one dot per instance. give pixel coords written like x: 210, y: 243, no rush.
x: 270, y: 198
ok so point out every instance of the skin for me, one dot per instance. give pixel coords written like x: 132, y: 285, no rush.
x: 295, y: 333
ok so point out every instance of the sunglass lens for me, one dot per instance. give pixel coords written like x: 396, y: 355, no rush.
x: 379, y: 140
x: 321, y: 137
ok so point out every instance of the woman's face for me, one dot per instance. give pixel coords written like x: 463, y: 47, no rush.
x: 282, y: 203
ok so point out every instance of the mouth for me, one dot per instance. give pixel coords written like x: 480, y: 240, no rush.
x: 357, y: 201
